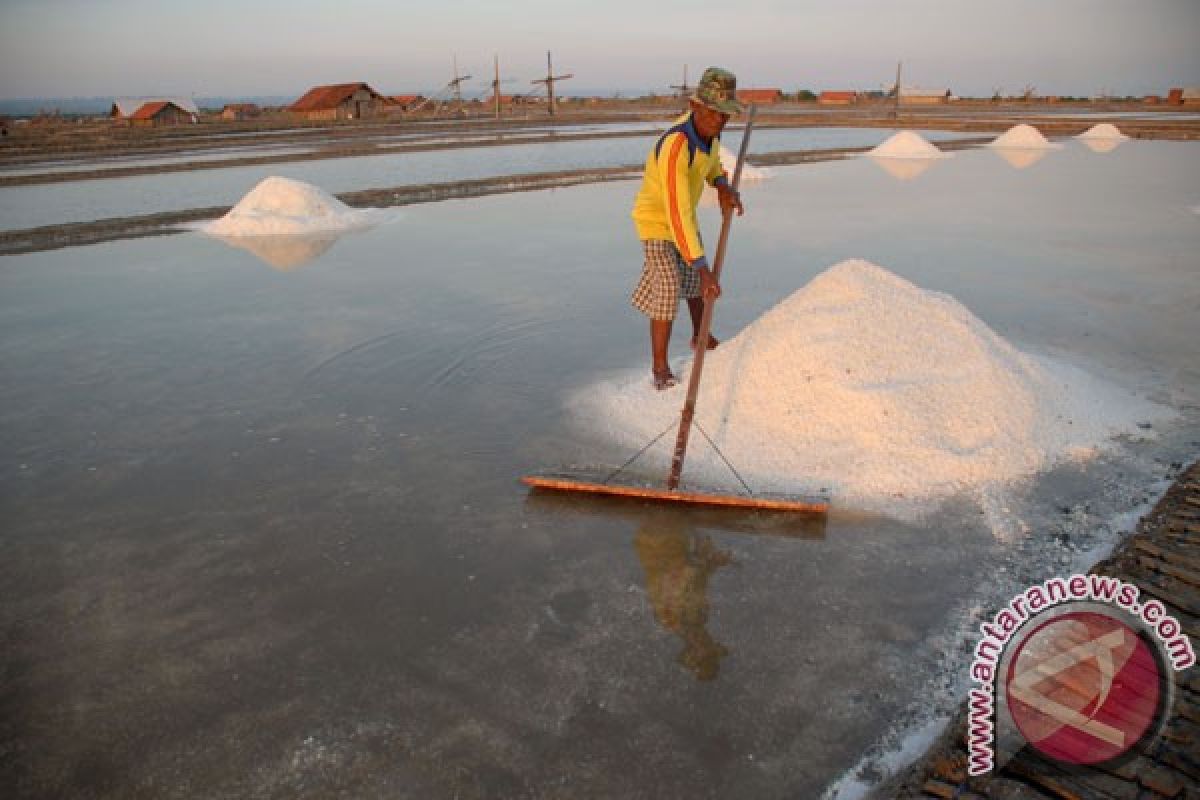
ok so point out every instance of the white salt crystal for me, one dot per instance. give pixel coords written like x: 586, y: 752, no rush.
x: 1024, y: 136
x: 892, y: 396
x: 906, y: 144
x: 750, y: 175
x: 1104, y: 130
x: 283, y: 206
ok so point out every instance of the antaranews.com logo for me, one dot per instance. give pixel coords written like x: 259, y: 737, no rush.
x: 1079, y: 667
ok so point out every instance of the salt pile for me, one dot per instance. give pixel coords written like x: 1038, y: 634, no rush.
x: 280, y: 206
x: 750, y: 175
x: 1104, y: 130
x: 906, y: 144
x: 891, y: 396
x: 1024, y: 137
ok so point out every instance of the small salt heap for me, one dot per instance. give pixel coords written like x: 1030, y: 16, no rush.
x: 1102, y: 138
x: 1105, y: 130
x: 905, y: 155
x: 906, y: 144
x: 281, y: 206
x: 750, y: 175
x: 1023, y: 137
x: 891, y: 396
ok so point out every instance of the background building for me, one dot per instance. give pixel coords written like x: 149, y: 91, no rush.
x: 924, y: 97
x: 238, y: 111
x: 124, y: 108
x: 837, y: 98
x: 339, y: 101
x: 762, y: 97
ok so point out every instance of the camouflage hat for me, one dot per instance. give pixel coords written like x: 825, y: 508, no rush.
x: 718, y: 90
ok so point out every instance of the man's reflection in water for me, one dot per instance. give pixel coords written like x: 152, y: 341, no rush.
x: 678, y: 565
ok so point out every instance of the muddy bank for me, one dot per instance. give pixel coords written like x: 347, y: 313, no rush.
x: 1163, y: 560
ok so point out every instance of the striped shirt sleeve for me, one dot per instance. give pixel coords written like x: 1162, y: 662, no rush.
x: 681, y: 213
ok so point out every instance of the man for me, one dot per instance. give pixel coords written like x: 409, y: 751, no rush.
x: 686, y: 157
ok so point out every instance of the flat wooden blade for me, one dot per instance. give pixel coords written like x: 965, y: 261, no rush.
x: 566, y: 484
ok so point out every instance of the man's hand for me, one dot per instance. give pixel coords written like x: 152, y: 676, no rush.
x: 709, y: 288
x: 730, y: 199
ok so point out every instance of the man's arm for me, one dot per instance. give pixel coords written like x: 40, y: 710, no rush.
x: 680, y: 208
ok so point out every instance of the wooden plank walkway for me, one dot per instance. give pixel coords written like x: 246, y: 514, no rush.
x: 1163, y: 559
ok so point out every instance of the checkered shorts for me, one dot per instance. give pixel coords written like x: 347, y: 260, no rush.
x: 664, y: 276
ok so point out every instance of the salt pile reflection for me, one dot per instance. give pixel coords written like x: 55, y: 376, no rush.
x: 284, y: 252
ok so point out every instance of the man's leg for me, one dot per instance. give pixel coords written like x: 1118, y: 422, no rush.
x: 657, y: 296
x: 660, y: 335
x: 696, y: 310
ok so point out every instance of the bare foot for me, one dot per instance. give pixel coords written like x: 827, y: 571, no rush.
x: 712, y: 342
x: 664, y: 379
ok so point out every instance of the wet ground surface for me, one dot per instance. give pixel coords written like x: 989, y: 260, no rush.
x: 262, y: 533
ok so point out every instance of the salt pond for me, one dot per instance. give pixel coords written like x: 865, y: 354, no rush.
x: 78, y: 201
x: 263, y: 533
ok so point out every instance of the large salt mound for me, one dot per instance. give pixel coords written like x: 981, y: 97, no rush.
x: 906, y: 144
x: 1023, y: 136
x: 284, y: 206
x: 889, y: 395
x: 1105, y: 130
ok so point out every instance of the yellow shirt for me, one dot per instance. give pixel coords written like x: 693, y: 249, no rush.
x: 676, y: 171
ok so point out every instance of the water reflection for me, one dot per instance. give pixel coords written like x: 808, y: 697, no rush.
x: 678, y: 565
x: 679, y: 554
x: 284, y: 252
x: 1101, y: 145
x: 1020, y: 158
x: 903, y: 169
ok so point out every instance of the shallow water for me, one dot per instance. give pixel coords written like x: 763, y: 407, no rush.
x: 78, y: 201
x: 263, y: 536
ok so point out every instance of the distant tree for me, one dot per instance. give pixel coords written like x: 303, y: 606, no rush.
x: 806, y: 96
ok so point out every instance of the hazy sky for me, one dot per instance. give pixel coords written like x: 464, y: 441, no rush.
x: 60, y: 48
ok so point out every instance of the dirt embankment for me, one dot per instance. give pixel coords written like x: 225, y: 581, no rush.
x: 92, y: 151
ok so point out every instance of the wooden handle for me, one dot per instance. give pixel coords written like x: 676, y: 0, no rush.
x: 689, y: 405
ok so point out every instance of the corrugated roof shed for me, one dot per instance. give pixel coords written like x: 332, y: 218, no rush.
x: 148, y: 110
x: 322, y: 98
x: 126, y: 106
